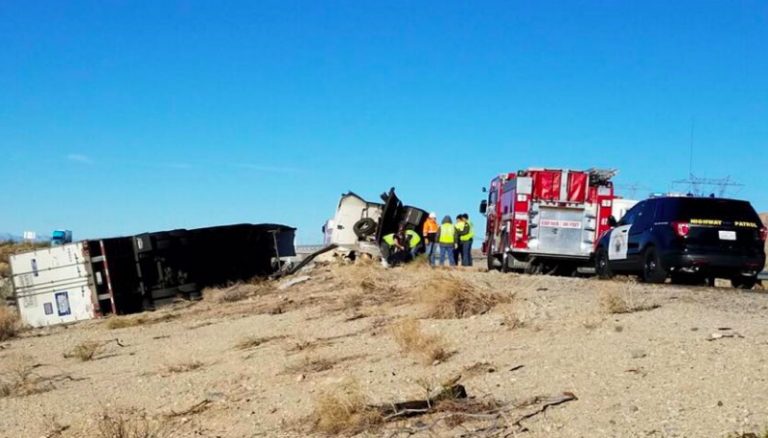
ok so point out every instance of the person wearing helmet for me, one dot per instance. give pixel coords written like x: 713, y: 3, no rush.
x: 429, y: 231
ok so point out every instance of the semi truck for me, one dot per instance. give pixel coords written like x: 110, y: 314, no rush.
x: 545, y: 220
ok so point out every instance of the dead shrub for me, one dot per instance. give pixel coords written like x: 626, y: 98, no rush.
x: 126, y: 424
x: 449, y: 296
x: 614, y: 301
x: 343, y: 410
x: 412, y: 340
x: 312, y: 365
x: 85, y: 351
x: 118, y: 322
x: 254, y: 341
x: 19, y: 378
x: 184, y: 367
x: 9, y: 323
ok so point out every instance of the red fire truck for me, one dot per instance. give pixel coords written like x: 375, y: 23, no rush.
x: 546, y: 220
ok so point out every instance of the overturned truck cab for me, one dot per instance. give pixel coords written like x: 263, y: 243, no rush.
x: 358, y: 225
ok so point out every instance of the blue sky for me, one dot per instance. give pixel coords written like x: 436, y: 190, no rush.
x: 118, y: 117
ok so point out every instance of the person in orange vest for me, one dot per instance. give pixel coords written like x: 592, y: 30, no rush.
x: 429, y: 231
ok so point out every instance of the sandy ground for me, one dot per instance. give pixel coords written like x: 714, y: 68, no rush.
x: 656, y: 372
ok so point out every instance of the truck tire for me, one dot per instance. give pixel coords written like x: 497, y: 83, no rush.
x: 494, y: 264
x: 364, y: 228
x: 602, y: 268
x: 742, y: 282
x: 653, y: 271
x: 505, y: 253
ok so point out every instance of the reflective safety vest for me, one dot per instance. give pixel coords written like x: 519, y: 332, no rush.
x: 447, y: 234
x: 459, y: 226
x: 430, y: 226
x: 389, y: 239
x: 413, y: 238
x: 470, y: 232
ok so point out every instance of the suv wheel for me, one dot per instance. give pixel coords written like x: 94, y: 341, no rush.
x: 653, y: 271
x: 602, y: 268
x: 742, y: 282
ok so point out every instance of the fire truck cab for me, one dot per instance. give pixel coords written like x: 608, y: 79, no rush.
x: 546, y: 220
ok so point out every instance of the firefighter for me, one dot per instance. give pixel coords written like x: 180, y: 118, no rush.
x: 446, y: 238
x: 429, y: 231
x: 466, y: 235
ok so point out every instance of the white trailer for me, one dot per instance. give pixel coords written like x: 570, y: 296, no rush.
x: 54, y: 285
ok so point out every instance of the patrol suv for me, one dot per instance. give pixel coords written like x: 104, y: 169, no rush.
x: 693, y: 240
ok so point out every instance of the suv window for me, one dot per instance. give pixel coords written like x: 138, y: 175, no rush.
x: 728, y: 210
x: 631, y: 216
x: 644, y: 217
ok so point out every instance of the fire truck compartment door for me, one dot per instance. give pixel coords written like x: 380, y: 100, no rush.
x: 560, y: 231
x: 618, y: 243
x: 524, y: 185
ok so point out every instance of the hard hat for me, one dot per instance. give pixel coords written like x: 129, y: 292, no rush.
x: 433, y: 215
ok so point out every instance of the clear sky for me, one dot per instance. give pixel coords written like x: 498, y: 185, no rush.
x: 118, y: 117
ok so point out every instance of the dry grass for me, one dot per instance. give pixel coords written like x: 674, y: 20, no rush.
x: 19, y: 378
x: 239, y: 291
x: 449, y: 296
x: 312, y: 365
x: 118, y: 322
x: 412, y: 340
x: 86, y: 351
x: 9, y: 323
x: 184, y: 367
x: 254, y: 341
x: 615, y: 301
x: 126, y: 424
x: 343, y: 409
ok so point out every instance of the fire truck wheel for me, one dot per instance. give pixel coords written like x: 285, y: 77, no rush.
x: 505, y: 262
x: 653, y: 271
x: 364, y: 228
x: 602, y: 268
x: 494, y: 264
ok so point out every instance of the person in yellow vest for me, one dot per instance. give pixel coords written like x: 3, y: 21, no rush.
x: 390, y: 247
x: 466, y: 238
x: 447, y: 239
x: 459, y: 224
x: 413, y: 242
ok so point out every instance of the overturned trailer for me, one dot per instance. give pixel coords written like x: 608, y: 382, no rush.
x: 358, y: 225
x: 122, y: 275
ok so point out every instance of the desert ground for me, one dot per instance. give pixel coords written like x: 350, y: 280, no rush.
x: 538, y: 356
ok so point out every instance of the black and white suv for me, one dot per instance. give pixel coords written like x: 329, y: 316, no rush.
x: 693, y: 240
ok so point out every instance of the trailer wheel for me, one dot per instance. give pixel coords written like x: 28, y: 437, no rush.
x: 653, y: 271
x: 602, y: 268
x: 364, y: 228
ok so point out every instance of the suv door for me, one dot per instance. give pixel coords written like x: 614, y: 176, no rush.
x: 639, y: 233
x: 619, y: 239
